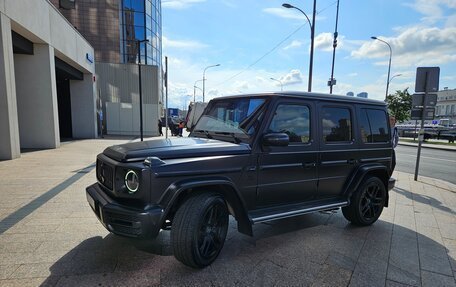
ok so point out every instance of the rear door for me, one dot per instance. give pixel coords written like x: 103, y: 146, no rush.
x: 338, y: 147
x: 287, y: 174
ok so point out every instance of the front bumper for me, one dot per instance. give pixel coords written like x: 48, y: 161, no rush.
x: 391, y: 183
x: 123, y: 220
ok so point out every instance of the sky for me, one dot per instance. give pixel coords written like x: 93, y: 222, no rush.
x: 256, y: 40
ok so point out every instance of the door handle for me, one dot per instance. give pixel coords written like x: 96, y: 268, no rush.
x: 309, y: 164
x: 352, y: 161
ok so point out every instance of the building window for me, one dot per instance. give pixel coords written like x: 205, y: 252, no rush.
x: 139, y: 22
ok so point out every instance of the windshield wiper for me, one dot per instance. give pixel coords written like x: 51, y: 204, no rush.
x: 205, y: 132
x: 235, y: 138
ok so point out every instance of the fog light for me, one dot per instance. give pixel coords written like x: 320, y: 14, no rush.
x: 132, y: 181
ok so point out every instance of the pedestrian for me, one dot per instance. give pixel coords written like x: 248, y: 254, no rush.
x: 394, y: 140
x: 181, y: 128
x: 160, y: 127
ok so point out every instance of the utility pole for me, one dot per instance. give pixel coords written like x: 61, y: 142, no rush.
x: 332, y: 81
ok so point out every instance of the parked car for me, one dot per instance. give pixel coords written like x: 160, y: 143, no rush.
x: 257, y: 158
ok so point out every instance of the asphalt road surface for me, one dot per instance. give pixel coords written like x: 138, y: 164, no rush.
x: 434, y: 163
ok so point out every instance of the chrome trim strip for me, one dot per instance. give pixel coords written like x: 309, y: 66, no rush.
x: 298, y: 212
x: 334, y: 162
x: 375, y: 159
x: 281, y: 166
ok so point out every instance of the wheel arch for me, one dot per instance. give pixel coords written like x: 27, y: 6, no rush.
x: 179, y: 191
x: 377, y: 170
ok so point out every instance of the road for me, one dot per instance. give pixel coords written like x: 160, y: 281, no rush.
x: 434, y: 163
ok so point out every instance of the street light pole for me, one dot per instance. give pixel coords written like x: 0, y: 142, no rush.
x: 312, y: 37
x: 141, y: 130
x: 332, y: 81
x: 204, y: 77
x: 281, y: 85
x: 194, y: 90
x: 397, y: 75
x: 389, y: 65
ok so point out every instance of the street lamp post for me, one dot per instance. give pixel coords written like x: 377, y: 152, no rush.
x: 332, y: 81
x: 397, y: 75
x: 194, y: 90
x: 312, y: 37
x: 389, y: 65
x: 281, y: 85
x: 204, y: 73
x: 141, y: 130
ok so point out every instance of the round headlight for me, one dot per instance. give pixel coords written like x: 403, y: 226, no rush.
x: 132, y: 181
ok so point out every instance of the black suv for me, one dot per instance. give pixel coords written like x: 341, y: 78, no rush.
x: 257, y: 157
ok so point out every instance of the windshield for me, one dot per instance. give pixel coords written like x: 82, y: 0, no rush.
x: 236, y: 117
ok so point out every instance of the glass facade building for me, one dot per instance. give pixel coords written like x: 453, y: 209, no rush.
x: 141, y: 20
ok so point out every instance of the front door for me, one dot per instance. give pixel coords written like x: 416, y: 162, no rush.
x: 287, y: 174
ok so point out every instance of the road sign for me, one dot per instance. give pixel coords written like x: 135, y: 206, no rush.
x: 431, y: 84
x: 417, y: 113
x: 417, y: 100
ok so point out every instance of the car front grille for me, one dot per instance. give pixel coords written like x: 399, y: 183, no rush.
x: 105, y: 174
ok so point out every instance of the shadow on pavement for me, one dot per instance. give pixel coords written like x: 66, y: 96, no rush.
x: 424, y: 199
x: 27, y: 209
x: 319, y: 249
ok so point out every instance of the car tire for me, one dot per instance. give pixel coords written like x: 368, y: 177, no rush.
x: 366, y: 203
x: 199, y: 229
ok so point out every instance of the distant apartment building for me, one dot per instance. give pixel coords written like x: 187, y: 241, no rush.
x: 350, y: 94
x: 362, y: 95
x: 47, y: 87
x: 122, y: 33
x: 446, y: 105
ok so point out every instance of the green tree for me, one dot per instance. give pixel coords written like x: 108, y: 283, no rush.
x: 399, y: 105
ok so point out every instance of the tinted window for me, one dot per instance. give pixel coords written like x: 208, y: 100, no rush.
x: 336, y: 124
x: 374, y: 126
x: 292, y: 120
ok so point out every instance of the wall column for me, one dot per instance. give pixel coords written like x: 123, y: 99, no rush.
x: 37, y: 98
x: 83, y: 107
x: 9, y: 129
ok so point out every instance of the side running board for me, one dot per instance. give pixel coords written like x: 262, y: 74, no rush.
x: 264, y: 215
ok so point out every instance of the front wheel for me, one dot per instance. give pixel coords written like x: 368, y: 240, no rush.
x: 199, y: 229
x: 367, y: 202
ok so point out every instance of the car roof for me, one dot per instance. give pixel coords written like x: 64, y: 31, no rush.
x: 309, y: 95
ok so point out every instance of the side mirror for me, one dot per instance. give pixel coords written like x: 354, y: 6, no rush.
x: 276, y: 139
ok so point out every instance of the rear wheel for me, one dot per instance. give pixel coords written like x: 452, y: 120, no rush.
x: 367, y: 202
x: 199, y: 229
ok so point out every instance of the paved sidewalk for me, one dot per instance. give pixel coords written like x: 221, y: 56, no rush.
x: 49, y: 236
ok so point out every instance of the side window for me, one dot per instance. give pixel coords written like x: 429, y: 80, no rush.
x: 378, y: 123
x: 337, y: 126
x: 293, y: 120
x: 364, y: 126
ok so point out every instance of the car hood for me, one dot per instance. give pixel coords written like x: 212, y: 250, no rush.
x: 174, y: 148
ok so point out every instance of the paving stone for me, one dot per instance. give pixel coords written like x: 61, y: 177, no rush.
x: 7, y: 270
x: 432, y: 279
x: 390, y: 283
x: 404, y: 259
x: 332, y: 276
x: 433, y: 256
x: 30, y: 282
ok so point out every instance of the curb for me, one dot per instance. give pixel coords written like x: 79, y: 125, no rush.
x: 428, y: 146
x: 450, y: 184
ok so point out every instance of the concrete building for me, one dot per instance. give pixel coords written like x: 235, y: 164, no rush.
x: 47, y: 88
x: 117, y: 30
x: 446, y: 105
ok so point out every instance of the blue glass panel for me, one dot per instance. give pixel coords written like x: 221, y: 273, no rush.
x: 148, y: 7
x: 137, y: 5
x: 140, y: 33
x: 126, y: 4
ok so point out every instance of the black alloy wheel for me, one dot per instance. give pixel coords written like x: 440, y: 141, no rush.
x: 367, y: 202
x: 199, y: 229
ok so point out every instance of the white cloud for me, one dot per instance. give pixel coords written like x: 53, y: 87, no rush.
x: 293, y: 44
x: 179, y: 4
x: 293, y: 77
x: 353, y: 74
x: 415, y: 46
x: 433, y: 10
x: 285, y: 13
x: 182, y: 44
x: 324, y: 42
